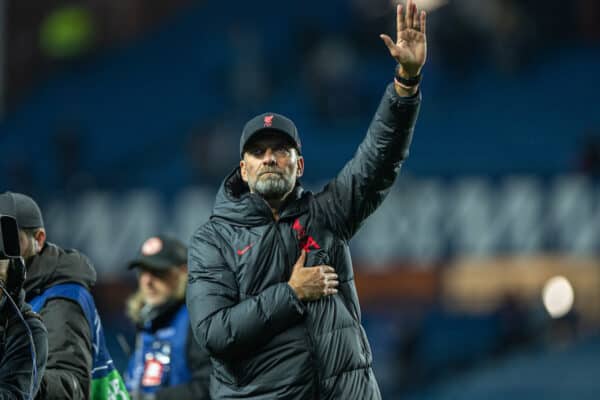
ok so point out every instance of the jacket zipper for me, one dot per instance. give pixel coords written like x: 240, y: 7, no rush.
x: 311, y: 343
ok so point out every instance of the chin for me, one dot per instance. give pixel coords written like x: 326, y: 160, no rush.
x: 154, y: 301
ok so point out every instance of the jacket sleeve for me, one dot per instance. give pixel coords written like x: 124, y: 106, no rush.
x: 224, y: 325
x: 16, y: 367
x: 68, y: 371
x: 365, y: 180
x: 199, y: 365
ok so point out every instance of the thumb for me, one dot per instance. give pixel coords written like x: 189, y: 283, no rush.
x: 388, y: 41
x: 301, y: 260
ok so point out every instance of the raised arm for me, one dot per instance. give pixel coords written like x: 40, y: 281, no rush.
x: 366, y: 179
x: 410, y: 48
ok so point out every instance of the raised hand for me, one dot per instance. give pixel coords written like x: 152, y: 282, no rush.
x: 312, y: 283
x: 410, y: 48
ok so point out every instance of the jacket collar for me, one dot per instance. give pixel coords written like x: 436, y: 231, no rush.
x: 237, y: 206
x: 53, y: 266
x: 154, y: 318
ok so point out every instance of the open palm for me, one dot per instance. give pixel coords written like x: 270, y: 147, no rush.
x: 410, y: 48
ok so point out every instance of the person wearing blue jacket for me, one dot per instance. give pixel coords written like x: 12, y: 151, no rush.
x: 58, y: 286
x: 166, y: 363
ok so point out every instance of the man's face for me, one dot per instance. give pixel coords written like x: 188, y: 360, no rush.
x: 26, y: 244
x: 271, y: 166
x: 158, y: 286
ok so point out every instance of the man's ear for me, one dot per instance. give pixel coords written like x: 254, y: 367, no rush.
x: 300, y: 164
x: 243, y: 170
x: 40, y: 238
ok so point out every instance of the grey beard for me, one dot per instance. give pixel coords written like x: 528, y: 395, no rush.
x: 273, y: 187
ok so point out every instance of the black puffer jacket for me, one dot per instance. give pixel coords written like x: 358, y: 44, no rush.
x: 264, y: 342
x: 68, y: 371
x: 15, y: 349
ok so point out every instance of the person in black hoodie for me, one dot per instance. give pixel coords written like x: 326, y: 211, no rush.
x: 57, y: 286
x: 18, y: 343
x: 271, y: 291
x: 166, y: 363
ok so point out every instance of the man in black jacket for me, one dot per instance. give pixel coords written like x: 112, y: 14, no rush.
x: 167, y: 363
x: 271, y: 293
x: 18, y: 343
x: 15, y: 349
x: 70, y: 355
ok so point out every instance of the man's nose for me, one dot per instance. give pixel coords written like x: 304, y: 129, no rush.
x: 269, y: 157
x: 145, y: 278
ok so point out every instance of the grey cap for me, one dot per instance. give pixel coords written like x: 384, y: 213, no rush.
x: 23, y: 208
x: 270, y: 122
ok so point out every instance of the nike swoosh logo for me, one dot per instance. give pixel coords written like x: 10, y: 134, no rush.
x: 244, y: 250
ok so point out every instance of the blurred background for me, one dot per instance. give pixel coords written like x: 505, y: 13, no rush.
x: 480, y: 275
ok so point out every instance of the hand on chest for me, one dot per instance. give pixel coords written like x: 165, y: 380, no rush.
x: 264, y: 255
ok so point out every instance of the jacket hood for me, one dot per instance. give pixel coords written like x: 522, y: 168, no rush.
x: 236, y: 205
x: 54, y: 265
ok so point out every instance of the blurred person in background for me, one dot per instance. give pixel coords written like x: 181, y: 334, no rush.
x: 18, y: 380
x: 271, y: 292
x: 166, y: 363
x: 58, y: 287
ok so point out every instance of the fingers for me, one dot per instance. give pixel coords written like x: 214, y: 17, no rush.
x: 301, y: 260
x: 410, y: 10
x: 313, y: 283
x: 333, y: 284
x: 414, y: 17
x: 327, y: 269
x: 330, y: 291
x: 328, y: 274
x: 330, y: 286
x: 408, y: 17
x: 400, y: 26
x: 388, y: 41
x: 331, y: 280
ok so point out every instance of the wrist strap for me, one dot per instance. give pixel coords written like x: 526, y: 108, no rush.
x: 404, y: 82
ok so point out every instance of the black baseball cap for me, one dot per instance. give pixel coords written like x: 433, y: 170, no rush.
x: 23, y: 208
x: 160, y: 253
x: 270, y: 122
